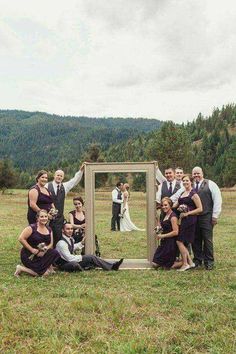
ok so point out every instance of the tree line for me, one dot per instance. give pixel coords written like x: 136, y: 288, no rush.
x: 209, y: 142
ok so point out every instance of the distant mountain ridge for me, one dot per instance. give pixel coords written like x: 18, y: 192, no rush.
x: 34, y: 140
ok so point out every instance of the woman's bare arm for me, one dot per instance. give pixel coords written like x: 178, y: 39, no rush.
x: 33, y: 198
x: 125, y: 199
x: 23, y: 239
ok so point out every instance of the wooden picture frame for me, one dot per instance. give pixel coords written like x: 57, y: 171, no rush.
x: 113, y: 167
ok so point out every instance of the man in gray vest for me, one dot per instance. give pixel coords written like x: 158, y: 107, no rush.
x: 117, y: 200
x: 179, y: 172
x: 59, y: 191
x: 210, y: 196
x: 169, y: 187
x: 70, y: 262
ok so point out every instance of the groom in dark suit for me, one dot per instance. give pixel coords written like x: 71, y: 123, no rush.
x: 117, y: 200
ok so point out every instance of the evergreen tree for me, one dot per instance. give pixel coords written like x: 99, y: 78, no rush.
x: 8, y: 175
x: 94, y: 154
x: 171, y: 146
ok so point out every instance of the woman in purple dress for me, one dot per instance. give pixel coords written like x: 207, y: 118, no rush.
x: 37, y: 262
x: 166, y: 252
x: 39, y: 197
x: 77, y: 219
x: 189, y: 205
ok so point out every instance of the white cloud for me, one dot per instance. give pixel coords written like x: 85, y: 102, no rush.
x: 160, y: 58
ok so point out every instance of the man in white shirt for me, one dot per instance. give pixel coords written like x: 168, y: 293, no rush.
x: 179, y: 172
x: 69, y: 262
x: 117, y: 200
x: 59, y: 190
x: 169, y: 186
x: 211, y: 199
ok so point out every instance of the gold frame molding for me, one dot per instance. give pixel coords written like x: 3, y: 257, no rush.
x: 113, y: 167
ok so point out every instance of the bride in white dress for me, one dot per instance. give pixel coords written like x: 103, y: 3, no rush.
x: 125, y: 222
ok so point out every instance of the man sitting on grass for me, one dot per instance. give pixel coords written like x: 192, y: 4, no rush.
x: 69, y: 262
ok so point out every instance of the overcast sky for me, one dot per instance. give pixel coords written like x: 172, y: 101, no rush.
x: 165, y: 59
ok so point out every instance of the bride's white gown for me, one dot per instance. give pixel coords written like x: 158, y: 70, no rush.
x: 125, y: 222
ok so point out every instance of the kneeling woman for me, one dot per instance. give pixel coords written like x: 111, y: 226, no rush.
x: 77, y: 220
x: 166, y: 252
x: 37, y: 262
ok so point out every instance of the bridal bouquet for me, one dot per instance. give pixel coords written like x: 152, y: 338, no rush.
x: 183, y: 208
x: 41, y: 247
x: 121, y: 215
x: 158, y: 230
x: 53, y: 213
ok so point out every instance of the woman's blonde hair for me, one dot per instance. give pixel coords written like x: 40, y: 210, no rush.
x: 41, y: 211
x: 168, y: 200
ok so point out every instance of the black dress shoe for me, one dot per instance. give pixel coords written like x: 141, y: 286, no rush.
x: 116, y: 265
x: 209, y: 266
x: 197, y: 265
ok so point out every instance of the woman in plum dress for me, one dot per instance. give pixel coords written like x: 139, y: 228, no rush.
x: 36, y: 262
x: 77, y: 219
x: 190, y: 204
x: 39, y: 197
x: 166, y: 252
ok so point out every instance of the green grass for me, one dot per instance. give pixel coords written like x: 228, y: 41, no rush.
x: 138, y: 311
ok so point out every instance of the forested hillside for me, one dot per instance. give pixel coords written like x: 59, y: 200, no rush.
x: 39, y: 140
x: 208, y: 141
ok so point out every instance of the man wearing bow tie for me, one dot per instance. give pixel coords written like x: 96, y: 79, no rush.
x: 117, y: 200
x: 59, y: 191
x: 210, y: 196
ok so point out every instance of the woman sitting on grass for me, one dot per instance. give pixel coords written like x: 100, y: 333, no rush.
x: 37, y: 254
x: 166, y: 252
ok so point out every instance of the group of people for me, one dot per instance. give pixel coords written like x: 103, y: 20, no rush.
x: 190, y: 207
x: 49, y: 240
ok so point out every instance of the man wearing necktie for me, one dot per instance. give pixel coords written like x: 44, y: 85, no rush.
x: 210, y: 196
x: 179, y: 172
x: 197, y: 186
x: 59, y: 191
x: 117, y: 200
x: 71, y: 262
x: 169, y: 187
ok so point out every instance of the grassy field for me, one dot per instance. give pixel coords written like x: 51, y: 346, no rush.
x: 131, y: 311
